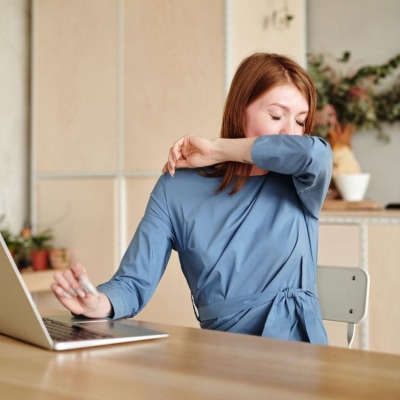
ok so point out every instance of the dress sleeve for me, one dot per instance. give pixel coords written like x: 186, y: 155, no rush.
x: 308, y: 159
x: 145, y: 259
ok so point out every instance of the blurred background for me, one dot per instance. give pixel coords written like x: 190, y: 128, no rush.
x: 93, y: 92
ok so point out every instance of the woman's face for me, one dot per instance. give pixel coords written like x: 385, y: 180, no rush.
x: 281, y: 110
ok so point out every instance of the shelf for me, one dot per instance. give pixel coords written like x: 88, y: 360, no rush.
x: 38, y: 281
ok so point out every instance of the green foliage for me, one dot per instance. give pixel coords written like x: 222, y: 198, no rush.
x: 363, y: 98
x: 42, y: 240
x: 23, y: 244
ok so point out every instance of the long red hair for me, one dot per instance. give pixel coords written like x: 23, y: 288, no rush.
x: 255, y: 75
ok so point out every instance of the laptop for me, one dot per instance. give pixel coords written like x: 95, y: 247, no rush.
x: 20, y: 318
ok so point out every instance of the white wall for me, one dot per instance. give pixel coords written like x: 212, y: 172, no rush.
x: 369, y: 29
x: 261, y: 25
x: 13, y: 111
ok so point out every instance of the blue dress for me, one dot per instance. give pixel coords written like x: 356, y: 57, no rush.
x: 249, y: 258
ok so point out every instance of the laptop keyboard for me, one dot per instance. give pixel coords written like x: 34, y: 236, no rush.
x: 65, y: 332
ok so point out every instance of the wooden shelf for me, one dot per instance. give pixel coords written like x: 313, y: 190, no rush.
x: 38, y: 281
x: 331, y: 204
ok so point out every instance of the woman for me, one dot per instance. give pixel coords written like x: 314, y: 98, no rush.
x: 241, y: 211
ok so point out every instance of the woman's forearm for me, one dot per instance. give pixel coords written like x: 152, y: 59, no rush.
x: 238, y: 150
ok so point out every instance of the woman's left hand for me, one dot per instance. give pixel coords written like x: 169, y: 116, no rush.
x: 191, y: 152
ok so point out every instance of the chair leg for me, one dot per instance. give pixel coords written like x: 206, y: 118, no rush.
x: 351, y: 330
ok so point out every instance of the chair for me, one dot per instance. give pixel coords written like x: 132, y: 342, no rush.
x: 343, y: 295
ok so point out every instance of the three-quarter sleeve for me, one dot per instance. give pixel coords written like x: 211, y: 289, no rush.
x: 308, y: 159
x: 144, y: 261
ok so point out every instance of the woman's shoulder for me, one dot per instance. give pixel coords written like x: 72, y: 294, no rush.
x: 188, y: 186
x: 184, y: 174
x: 186, y: 178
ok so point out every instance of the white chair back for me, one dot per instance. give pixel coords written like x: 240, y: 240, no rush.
x: 343, y: 295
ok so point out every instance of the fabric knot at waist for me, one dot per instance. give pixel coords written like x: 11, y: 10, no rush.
x: 289, y: 293
x: 242, y: 303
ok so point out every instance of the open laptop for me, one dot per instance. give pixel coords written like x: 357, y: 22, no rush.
x: 20, y: 319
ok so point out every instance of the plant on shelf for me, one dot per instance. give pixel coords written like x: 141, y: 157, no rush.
x: 28, y: 250
x: 37, y: 247
x: 42, y: 240
x: 351, y: 101
x: 358, y: 98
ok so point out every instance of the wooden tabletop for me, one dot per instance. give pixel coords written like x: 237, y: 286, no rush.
x: 197, y: 364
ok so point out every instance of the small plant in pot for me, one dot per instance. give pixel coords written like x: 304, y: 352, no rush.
x: 28, y: 250
x: 60, y: 258
x: 37, y: 248
x: 41, y: 244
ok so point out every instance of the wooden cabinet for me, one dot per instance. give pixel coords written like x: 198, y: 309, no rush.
x: 368, y: 240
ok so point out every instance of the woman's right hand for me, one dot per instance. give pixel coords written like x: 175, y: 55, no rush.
x: 75, y: 292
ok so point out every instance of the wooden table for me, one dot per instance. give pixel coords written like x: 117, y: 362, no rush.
x: 197, y: 364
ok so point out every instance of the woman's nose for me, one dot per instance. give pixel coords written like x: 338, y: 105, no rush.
x: 288, y: 128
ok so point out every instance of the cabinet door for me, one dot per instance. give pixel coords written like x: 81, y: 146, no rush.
x: 374, y: 245
x: 383, y: 265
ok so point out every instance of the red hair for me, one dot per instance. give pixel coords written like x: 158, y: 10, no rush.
x: 255, y: 75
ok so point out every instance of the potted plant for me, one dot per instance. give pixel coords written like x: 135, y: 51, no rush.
x: 60, y: 257
x: 350, y: 101
x: 40, y: 245
x: 354, y: 99
x: 35, y: 250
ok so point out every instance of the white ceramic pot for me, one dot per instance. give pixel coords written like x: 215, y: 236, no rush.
x: 352, y: 187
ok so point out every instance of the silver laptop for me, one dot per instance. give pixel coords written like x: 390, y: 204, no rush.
x: 20, y: 319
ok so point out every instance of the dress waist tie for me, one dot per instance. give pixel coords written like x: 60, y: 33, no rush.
x: 277, y: 321
x: 242, y: 303
x: 233, y: 305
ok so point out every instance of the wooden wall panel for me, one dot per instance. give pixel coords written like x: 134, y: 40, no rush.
x: 114, y: 83
x: 75, y: 85
x: 339, y: 245
x: 384, y: 316
x: 81, y: 213
x: 274, y: 26
x: 173, y: 76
